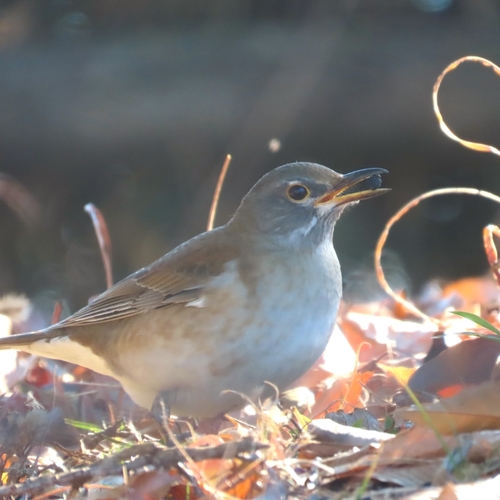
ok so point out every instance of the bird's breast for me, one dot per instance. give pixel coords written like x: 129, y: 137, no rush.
x: 264, y: 320
x: 299, y: 294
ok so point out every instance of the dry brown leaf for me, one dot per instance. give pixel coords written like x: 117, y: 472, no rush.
x: 409, y: 475
x: 416, y: 443
x: 472, y: 291
x: 231, y: 476
x: 152, y: 485
x: 207, y: 440
x: 343, y: 393
x: 182, y: 492
x: 467, y: 363
x: 246, y: 486
x: 475, y: 408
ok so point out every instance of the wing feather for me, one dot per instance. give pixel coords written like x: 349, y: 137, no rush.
x: 178, y: 277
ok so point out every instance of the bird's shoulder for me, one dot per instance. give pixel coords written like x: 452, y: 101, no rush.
x: 178, y: 277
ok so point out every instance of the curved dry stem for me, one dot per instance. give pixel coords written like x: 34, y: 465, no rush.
x: 102, y: 234
x: 491, y: 250
x: 218, y: 188
x: 484, y: 148
x: 20, y: 200
x: 385, y: 233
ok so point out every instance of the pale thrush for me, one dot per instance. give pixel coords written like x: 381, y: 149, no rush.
x: 250, y: 302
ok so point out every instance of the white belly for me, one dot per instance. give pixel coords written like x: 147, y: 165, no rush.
x: 274, y: 334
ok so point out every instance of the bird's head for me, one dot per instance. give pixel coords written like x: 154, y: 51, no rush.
x: 299, y: 203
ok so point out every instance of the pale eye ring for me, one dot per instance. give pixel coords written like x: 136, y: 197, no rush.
x: 298, y: 192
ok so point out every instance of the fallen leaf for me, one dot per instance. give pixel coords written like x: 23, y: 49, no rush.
x: 473, y: 291
x: 343, y: 393
x: 409, y: 337
x: 153, y: 485
x: 415, y: 443
x: 408, y: 475
x: 475, y: 408
x: 470, y: 362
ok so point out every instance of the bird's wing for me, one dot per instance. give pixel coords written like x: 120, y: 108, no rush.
x: 178, y: 277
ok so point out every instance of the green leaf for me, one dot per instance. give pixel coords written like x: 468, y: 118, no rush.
x: 83, y: 425
x: 478, y: 320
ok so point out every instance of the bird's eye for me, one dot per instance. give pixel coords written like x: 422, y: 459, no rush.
x: 298, y: 192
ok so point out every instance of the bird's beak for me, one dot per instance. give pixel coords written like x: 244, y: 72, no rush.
x: 335, y: 196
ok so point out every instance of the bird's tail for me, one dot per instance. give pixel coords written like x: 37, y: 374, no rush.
x: 22, y: 341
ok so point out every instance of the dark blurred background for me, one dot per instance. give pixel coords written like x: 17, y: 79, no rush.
x: 133, y: 105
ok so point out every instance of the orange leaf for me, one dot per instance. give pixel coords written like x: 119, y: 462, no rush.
x: 222, y: 474
x: 344, y: 392
x: 215, y: 468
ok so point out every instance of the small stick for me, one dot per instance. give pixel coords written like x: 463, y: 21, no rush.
x: 491, y: 249
x: 483, y: 148
x: 56, y: 314
x: 20, y: 200
x: 218, y: 188
x: 385, y: 233
x: 102, y: 233
x: 147, y: 454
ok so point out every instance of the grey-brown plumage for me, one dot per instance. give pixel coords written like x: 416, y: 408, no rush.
x: 250, y: 302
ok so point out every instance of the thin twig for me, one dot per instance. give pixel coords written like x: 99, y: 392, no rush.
x: 147, y: 454
x: 484, y: 148
x: 491, y: 249
x: 56, y: 314
x: 20, y: 200
x: 218, y: 188
x: 385, y: 233
x: 102, y: 233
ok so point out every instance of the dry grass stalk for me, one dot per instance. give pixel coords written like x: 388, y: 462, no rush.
x: 476, y: 146
x: 385, y: 233
x: 102, y: 233
x: 218, y: 188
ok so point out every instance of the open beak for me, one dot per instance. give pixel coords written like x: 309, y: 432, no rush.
x: 335, y: 197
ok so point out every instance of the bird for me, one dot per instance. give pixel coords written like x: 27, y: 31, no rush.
x: 229, y: 314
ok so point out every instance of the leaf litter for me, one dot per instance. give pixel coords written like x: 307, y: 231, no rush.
x: 389, y: 411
